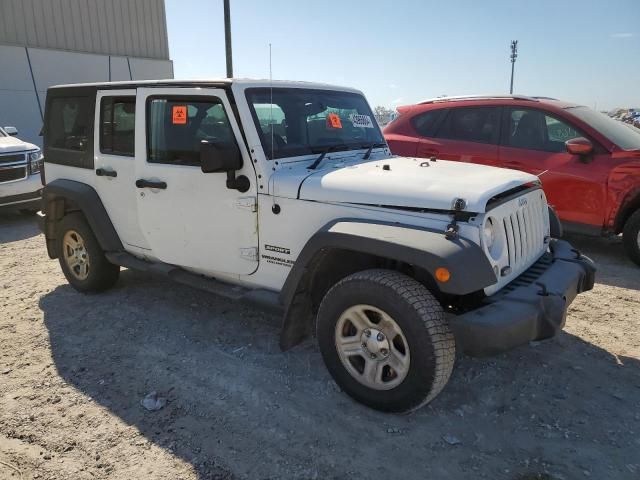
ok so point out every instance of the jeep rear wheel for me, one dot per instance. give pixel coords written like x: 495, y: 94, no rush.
x: 631, y: 237
x: 384, y: 339
x: 81, y: 258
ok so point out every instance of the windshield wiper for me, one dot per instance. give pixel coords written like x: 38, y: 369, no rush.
x: 332, y: 148
x: 370, y: 149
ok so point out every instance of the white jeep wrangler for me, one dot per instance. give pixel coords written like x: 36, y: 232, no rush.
x: 284, y: 194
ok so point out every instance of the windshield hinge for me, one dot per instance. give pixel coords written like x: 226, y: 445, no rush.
x: 250, y: 254
x: 248, y: 203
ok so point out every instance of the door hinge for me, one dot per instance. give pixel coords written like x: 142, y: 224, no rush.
x: 248, y: 203
x: 250, y: 254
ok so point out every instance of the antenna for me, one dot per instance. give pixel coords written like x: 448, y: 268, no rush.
x: 271, y: 101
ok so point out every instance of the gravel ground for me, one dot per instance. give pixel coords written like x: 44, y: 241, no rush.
x: 74, y: 369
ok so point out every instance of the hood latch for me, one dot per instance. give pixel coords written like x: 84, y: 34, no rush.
x: 451, y: 233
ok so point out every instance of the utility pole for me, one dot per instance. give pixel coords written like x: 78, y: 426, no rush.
x: 227, y: 38
x: 514, y: 55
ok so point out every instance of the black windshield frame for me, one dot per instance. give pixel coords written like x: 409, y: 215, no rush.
x: 254, y: 95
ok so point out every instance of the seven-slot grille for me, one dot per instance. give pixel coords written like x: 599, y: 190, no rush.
x: 13, y: 167
x: 524, y: 230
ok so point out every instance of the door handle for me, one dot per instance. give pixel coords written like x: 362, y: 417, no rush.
x: 101, y: 172
x: 142, y: 183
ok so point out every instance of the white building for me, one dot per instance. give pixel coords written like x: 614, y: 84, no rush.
x: 49, y: 42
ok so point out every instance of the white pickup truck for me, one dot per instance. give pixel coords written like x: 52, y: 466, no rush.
x: 285, y: 195
x: 20, y: 185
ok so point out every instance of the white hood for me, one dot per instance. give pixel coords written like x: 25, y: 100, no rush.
x: 404, y: 184
x: 13, y: 144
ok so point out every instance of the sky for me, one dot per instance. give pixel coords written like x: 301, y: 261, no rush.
x: 400, y: 52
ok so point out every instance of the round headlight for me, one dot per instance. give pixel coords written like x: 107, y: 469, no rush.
x: 489, y: 233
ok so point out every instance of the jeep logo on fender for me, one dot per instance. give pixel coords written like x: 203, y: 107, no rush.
x: 273, y: 248
x: 522, y: 201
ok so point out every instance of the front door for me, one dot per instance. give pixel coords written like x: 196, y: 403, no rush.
x: 533, y: 141
x: 191, y: 218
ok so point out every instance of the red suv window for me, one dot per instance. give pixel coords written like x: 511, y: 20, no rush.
x: 472, y: 124
x: 535, y: 130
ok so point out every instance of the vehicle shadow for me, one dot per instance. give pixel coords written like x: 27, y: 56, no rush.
x: 16, y: 227
x: 615, y: 268
x: 237, y: 406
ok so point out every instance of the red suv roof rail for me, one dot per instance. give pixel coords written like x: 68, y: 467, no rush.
x: 462, y: 98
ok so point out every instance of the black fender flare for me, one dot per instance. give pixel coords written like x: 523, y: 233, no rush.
x: 555, y: 226
x: 425, y: 248
x: 84, y: 198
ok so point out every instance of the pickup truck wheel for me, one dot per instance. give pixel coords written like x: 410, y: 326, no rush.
x: 631, y: 237
x: 81, y: 257
x: 384, y: 339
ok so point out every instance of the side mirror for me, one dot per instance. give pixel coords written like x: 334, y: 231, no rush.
x: 579, y: 146
x: 219, y: 157
x: 13, y: 131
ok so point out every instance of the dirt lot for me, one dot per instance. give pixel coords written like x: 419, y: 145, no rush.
x: 74, y: 369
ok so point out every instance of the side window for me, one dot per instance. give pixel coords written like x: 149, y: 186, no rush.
x: 118, y: 125
x: 535, y: 130
x: 427, y: 123
x: 69, y: 123
x: 472, y: 124
x: 176, y: 126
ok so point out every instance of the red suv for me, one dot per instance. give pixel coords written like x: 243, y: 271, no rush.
x: 589, y: 164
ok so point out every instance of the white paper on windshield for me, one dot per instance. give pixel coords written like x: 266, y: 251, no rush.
x: 362, y: 121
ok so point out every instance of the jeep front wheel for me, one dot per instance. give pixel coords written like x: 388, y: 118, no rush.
x: 631, y: 237
x: 384, y: 339
x: 81, y: 257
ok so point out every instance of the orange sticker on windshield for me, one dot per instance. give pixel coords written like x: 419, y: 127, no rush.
x: 179, y: 115
x: 333, y: 121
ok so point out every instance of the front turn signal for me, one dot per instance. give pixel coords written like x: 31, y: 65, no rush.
x: 442, y: 274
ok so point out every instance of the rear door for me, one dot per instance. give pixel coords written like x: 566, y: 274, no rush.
x: 190, y: 218
x: 467, y: 134
x: 115, y: 165
x: 534, y: 141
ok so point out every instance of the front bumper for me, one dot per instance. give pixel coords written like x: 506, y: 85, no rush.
x: 532, y: 307
x: 26, y: 200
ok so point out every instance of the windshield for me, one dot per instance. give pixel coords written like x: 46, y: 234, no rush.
x: 2, y: 134
x: 618, y: 132
x: 299, y: 121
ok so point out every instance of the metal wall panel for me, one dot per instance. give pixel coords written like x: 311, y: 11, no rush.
x: 26, y: 73
x: 133, y: 28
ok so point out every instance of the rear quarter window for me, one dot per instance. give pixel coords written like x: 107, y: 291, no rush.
x: 427, y: 123
x: 68, y: 133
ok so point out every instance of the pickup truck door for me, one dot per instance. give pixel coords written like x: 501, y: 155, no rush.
x: 191, y: 218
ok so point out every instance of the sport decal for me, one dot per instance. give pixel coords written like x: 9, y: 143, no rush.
x: 179, y: 115
x: 362, y: 121
x: 274, y: 248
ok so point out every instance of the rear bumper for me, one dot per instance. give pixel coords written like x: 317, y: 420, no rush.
x: 532, y: 307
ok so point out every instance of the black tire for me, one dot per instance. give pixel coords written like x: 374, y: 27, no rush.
x: 631, y: 237
x: 421, y: 319
x: 101, y: 274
